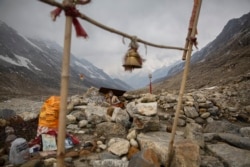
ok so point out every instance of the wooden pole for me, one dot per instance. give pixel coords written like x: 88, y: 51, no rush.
x: 183, y: 84
x: 64, y: 93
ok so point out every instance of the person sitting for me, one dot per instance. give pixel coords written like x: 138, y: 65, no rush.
x: 113, y: 100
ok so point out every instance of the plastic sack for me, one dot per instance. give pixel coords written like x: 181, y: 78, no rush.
x: 19, y: 151
x: 49, y: 113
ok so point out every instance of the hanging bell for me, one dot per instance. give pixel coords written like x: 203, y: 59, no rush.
x: 132, y: 60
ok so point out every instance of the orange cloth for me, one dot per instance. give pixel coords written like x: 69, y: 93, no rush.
x: 49, y: 113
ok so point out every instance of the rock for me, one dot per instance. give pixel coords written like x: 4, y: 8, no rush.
x: 232, y: 109
x: 82, y: 123
x: 190, y: 112
x: 34, y: 163
x: 7, y: 113
x: 200, y: 98
x: 243, y: 117
x: 158, y: 141
x: 80, y: 115
x: 186, y: 153
x: 132, y: 134
x: 110, y: 129
x: 108, y: 155
x: 70, y: 107
x: 147, y: 109
x: 235, y: 140
x: 205, y: 115
x: 181, y: 122
x: 214, y: 111
x: 49, y: 162
x: 122, y: 117
x: 102, y: 146
x: 72, y: 154
x: 147, y: 98
x: 230, y: 155
x: 119, y: 146
x: 95, y: 114
x: 110, y: 163
x: 247, y: 109
x: 72, y: 127
x: 145, y: 158
x: 225, y: 127
x: 70, y: 119
x: 209, y: 161
x: 132, y: 151
x: 110, y: 111
x: 171, y: 98
x: 194, y: 132
x: 134, y: 143
x: 199, y: 120
x: 245, y: 132
x: 131, y: 108
x: 26, y: 116
x: 145, y: 123
x: 9, y: 130
x: 3, y: 122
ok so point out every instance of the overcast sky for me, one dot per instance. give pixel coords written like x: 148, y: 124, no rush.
x: 162, y: 22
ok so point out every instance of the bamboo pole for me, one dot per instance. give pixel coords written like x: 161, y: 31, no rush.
x: 183, y: 84
x: 64, y: 93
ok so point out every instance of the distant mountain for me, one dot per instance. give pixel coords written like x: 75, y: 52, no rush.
x: 33, y: 66
x: 220, y: 62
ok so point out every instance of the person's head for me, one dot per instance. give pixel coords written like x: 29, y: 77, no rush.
x: 110, y: 93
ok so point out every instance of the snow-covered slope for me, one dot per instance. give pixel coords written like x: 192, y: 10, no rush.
x: 34, y: 65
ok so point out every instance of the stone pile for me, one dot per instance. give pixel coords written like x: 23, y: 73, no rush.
x: 213, y: 130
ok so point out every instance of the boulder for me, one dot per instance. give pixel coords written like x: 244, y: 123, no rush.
x: 193, y: 132
x: 110, y: 163
x: 119, y: 146
x: 232, y: 156
x: 121, y: 116
x: 147, y: 109
x: 235, y: 140
x: 224, y: 127
x: 245, y: 132
x: 186, y: 153
x: 95, y: 114
x: 146, y: 123
x: 110, y: 129
x: 190, y: 112
x: 131, y: 108
x: 157, y: 141
x: 145, y: 158
x: 210, y: 161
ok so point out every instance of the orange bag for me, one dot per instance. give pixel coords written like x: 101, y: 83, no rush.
x: 49, y: 113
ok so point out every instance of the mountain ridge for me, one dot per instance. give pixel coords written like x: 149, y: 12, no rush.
x: 33, y: 66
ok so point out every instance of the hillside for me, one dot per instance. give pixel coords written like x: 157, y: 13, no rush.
x: 30, y: 66
x: 225, y: 60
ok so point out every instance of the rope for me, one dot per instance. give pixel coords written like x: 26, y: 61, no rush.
x: 84, y: 17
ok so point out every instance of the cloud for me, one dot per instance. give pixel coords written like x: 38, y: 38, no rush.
x: 162, y: 22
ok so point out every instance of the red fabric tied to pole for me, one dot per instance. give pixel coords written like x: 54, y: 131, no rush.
x: 79, y: 29
x: 74, y: 13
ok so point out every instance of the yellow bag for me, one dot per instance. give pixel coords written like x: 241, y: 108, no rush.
x: 49, y: 113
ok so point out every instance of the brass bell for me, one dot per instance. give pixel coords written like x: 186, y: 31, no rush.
x: 132, y: 60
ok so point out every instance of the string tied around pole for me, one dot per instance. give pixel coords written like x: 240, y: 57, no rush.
x: 74, y: 13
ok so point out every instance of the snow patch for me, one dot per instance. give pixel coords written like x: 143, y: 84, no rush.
x: 21, y: 61
x: 26, y: 39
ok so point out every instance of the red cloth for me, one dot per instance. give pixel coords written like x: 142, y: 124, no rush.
x: 74, y: 13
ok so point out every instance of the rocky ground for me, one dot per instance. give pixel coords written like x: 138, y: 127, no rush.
x: 213, y: 128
